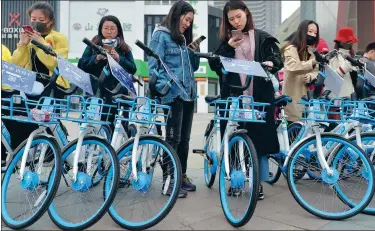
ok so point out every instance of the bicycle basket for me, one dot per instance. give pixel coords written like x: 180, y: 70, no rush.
x: 322, y: 110
x: 362, y: 111
x: 44, y: 111
x: 240, y: 109
x: 91, y: 110
x: 143, y: 110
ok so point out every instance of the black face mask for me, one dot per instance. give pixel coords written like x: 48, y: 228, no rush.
x: 346, y: 46
x: 311, y: 40
x: 41, y: 27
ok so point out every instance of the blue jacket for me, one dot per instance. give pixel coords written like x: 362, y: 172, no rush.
x: 181, y: 61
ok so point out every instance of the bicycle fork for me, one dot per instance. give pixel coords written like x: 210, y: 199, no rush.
x: 135, y: 154
x: 320, y: 152
x: 27, y: 149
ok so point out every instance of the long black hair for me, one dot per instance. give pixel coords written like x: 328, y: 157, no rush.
x: 300, y: 38
x: 122, y: 45
x: 172, y: 22
x: 226, y: 27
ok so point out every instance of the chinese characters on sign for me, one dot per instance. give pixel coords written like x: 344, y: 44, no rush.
x: 17, y: 77
x: 12, y: 32
x: 89, y: 27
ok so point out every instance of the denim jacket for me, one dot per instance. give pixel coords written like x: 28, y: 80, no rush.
x: 181, y: 61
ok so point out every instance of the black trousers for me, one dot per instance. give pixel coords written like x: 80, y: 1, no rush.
x: 178, y: 130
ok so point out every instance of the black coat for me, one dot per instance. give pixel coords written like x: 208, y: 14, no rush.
x: 264, y: 136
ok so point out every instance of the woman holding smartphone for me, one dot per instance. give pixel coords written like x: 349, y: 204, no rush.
x: 170, y: 41
x: 111, y: 38
x: 300, y: 66
x: 42, y: 21
x: 241, y: 40
x: 26, y: 55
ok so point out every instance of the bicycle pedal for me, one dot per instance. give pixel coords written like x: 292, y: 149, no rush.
x: 198, y: 151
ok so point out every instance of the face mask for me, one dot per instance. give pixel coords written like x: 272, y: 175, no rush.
x: 41, y: 27
x: 346, y: 46
x: 310, y: 40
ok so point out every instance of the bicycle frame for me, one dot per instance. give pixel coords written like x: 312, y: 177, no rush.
x: 302, y: 136
x: 142, y: 129
x: 221, y: 146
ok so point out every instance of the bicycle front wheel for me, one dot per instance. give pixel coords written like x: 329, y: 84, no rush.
x: 368, y: 145
x: 239, y: 191
x: 78, y: 203
x: 24, y: 201
x: 328, y: 198
x: 143, y: 203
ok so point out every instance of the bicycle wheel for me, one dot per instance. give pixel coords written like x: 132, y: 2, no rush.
x: 275, y: 171
x: 311, y: 194
x: 274, y: 163
x: 210, y: 166
x: 79, y: 205
x: 142, y: 204
x: 106, y: 133
x: 24, y: 201
x: 368, y: 142
x: 243, y: 202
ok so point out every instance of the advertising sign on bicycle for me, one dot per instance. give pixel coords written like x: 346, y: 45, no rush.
x: 75, y: 75
x: 121, y: 75
x: 243, y: 67
x: 17, y: 77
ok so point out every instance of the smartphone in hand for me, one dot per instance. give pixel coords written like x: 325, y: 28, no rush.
x: 27, y: 28
x: 237, y: 34
x: 107, y: 48
x: 192, y: 46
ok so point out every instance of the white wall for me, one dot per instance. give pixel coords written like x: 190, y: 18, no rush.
x: 85, y: 14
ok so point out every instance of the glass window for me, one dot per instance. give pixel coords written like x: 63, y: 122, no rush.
x: 150, y: 21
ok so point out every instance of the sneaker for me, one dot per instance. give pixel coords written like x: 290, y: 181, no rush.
x: 181, y: 194
x: 261, y: 194
x: 187, y: 184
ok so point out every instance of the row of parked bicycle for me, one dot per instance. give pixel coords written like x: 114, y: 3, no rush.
x: 135, y: 176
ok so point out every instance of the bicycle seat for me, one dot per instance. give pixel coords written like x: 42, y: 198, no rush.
x: 282, y: 101
x: 211, y: 98
x: 122, y: 97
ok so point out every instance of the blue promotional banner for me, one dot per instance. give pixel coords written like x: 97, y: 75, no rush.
x: 74, y: 75
x: 17, y: 77
x: 243, y: 67
x: 175, y: 80
x: 125, y: 78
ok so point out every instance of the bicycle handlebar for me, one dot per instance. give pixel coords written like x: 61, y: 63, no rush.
x: 354, y: 62
x: 96, y: 48
x: 146, y: 49
x: 47, y: 49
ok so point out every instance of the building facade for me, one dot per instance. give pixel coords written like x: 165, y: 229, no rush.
x: 266, y: 14
x: 333, y: 15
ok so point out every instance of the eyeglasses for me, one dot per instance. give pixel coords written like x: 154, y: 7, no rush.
x: 113, y: 29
